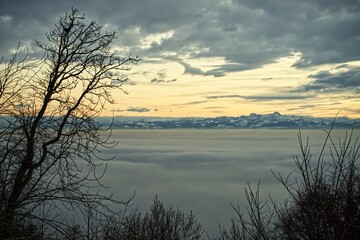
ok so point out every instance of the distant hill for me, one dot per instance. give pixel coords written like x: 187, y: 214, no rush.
x: 273, y: 120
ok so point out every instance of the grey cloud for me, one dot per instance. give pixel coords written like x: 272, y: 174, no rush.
x: 138, y: 109
x: 5, y: 19
x: 131, y: 83
x: 214, y: 107
x: 28, y: 21
x: 157, y: 80
x: 246, y: 33
x: 161, y: 75
x: 354, y: 110
x: 221, y: 71
x: 323, y: 31
x: 161, y: 78
x: 191, y: 103
x: 278, y: 97
x: 188, y: 69
x: 302, y: 107
x: 313, y: 106
x: 355, y: 97
x: 125, y: 81
x: 224, y: 96
x: 218, y: 71
x: 263, y: 97
x: 343, y: 66
x: 321, y: 74
x: 333, y: 82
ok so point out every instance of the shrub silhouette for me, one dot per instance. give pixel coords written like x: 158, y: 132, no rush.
x: 323, y: 202
x: 326, y: 204
x: 158, y: 223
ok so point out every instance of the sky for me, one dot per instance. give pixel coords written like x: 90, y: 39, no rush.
x: 208, y: 58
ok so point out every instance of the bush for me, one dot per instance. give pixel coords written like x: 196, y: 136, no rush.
x: 158, y: 223
x: 326, y: 204
x: 323, y: 203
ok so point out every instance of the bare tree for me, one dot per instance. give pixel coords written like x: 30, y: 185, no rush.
x: 160, y: 223
x: 325, y: 204
x: 14, y: 75
x: 323, y: 198
x: 259, y: 222
x: 49, y: 135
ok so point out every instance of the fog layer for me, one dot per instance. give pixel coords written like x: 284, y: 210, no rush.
x: 202, y: 170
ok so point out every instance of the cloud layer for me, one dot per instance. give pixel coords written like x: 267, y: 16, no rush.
x: 202, y: 170
x: 325, y: 81
x: 246, y: 33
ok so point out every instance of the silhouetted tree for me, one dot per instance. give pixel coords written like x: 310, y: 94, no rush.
x: 158, y: 223
x: 323, y: 202
x: 49, y: 136
x: 259, y: 222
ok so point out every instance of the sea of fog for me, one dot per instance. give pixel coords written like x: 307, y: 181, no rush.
x: 203, y: 170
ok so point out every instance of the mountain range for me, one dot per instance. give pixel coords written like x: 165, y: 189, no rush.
x: 272, y: 120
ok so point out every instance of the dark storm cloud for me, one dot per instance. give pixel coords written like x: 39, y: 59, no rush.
x: 245, y: 33
x: 326, y: 81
